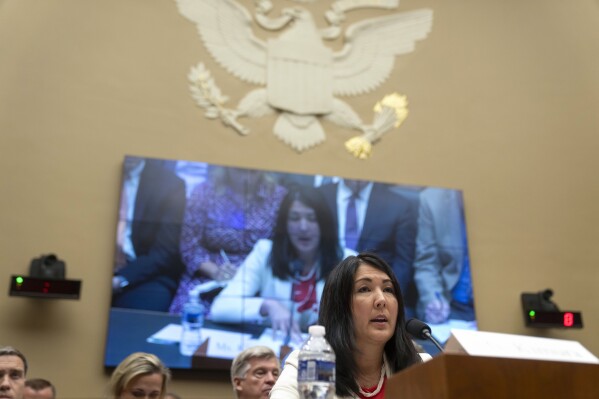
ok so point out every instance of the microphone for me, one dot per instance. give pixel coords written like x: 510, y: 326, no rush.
x: 420, y: 329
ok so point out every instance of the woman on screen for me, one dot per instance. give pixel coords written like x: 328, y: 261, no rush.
x: 363, y: 315
x: 139, y: 375
x: 281, y: 280
x: 224, y: 218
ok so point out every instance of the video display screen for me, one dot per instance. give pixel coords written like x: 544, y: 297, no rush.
x: 211, y: 259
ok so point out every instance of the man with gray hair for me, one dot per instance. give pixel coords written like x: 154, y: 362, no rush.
x: 13, y: 369
x: 254, y: 372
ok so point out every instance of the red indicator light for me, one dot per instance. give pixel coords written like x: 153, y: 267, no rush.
x: 568, y: 319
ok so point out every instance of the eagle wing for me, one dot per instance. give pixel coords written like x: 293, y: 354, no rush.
x: 225, y: 28
x: 367, y: 58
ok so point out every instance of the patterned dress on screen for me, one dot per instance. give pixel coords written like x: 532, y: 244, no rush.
x: 219, y: 219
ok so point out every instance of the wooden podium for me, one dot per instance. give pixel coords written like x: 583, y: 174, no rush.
x: 450, y: 376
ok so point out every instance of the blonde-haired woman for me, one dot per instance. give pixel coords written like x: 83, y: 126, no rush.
x: 139, y: 375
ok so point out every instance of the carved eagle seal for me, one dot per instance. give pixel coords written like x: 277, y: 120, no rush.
x: 301, y: 79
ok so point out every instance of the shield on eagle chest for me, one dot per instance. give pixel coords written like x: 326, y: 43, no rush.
x: 300, y: 75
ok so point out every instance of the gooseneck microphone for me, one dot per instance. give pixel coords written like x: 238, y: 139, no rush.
x: 420, y: 329
x: 296, y: 267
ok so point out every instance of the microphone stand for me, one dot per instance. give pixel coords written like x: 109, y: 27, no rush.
x: 420, y: 329
x: 296, y: 268
x: 428, y: 335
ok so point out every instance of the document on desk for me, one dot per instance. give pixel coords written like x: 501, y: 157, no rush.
x: 267, y: 339
x: 167, y: 335
x: 224, y: 344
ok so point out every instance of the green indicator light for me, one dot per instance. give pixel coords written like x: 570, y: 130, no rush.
x: 19, y: 280
x: 531, y: 313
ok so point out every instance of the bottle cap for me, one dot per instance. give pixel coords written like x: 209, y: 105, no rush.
x: 316, y: 330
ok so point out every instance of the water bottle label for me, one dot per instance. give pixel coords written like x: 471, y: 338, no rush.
x: 316, y: 370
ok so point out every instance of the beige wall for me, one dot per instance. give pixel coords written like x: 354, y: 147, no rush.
x: 503, y: 98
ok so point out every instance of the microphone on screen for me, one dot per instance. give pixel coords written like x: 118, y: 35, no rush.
x: 420, y: 329
x: 296, y: 267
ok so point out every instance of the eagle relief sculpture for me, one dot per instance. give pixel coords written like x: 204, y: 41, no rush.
x: 300, y: 78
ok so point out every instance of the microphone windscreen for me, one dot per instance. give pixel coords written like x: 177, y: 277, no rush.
x: 418, y: 328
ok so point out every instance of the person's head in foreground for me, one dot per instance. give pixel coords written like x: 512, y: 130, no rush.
x: 362, y: 311
x: 139, y: 375
x: 254, y: 372
x: 13, y: 369
x: 39, y: 388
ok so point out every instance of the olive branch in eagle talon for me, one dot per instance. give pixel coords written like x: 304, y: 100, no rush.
x: 208, y: 96
x: 390, y: 112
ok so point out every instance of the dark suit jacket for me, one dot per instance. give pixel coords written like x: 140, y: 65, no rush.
x: 389, y: 230
x: 156, y: 228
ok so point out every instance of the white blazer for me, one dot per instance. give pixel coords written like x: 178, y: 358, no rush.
x: 238, y: 301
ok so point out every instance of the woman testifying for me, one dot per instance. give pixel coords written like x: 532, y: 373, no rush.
x: 362, y: 311
x: 281, y: 280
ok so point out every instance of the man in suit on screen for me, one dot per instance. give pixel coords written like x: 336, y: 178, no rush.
x: 148, y: 266
x: 371, y: 217
x: 442, y: 266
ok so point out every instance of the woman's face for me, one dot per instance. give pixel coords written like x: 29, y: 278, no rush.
x: 146, y: 386
x: 374, y: 306
x: 303, y: 230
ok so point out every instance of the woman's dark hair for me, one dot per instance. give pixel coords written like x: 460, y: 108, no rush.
x: 283, y: 252
x: 336, y: 316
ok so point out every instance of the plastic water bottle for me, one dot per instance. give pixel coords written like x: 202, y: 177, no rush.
x: 192, y: 320
x: 316, y: 367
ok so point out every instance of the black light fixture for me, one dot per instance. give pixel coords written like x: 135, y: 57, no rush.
x: 541, y: 312
x: 46, y: 280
